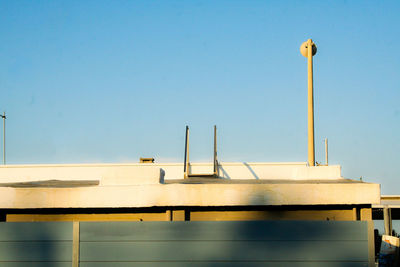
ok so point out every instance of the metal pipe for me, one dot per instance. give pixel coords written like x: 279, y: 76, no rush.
x: 326, y: 151
x: 4, y: 137
x: 215, y: 152
x: 311, y: 149
x: 186, y: 162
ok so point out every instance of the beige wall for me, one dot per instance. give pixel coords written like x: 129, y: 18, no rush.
x: 151, y: 173
x: 151, y: 185
x: 164, y: 195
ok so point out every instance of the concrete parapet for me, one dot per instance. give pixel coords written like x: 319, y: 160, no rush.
x: 178, y: 194
x: 131, y: 174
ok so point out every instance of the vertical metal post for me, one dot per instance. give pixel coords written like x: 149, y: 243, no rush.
x: 371, y: 243
x: 326, y: 151
x: 215, y: 152
x: 387, y: 217
x: 311, y: 150
x: 4, y: 137
x: 186, y: 162
x: 75, y: 243
x: 308, y: 49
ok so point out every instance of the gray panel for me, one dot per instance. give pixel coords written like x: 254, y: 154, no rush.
x: 36, y: 251
x: 36, y: 264
x: 35, y: 231
x: 225, y: 251
x: 223, y: 264
x: 227, y: 230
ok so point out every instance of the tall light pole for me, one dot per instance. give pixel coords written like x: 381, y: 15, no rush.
x: 4, y: 137
x: 308, y: 49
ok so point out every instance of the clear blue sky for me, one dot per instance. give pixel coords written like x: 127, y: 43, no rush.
x: 111, y: 81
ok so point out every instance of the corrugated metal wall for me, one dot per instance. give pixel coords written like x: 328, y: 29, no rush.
x: 205, y: 244
x: 45, y: 244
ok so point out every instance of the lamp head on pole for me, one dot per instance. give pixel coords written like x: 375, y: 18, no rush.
x: 304, y: 47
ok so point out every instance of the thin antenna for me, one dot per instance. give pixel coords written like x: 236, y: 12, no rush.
x: 186, y: 162
x: 326, y: 151
x: 215, y: 152
x: 4, y: 137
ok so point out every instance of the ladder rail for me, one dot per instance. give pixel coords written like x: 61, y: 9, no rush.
x: 186, y: 163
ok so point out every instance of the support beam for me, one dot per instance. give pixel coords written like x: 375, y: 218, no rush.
x: 387, y: 217
x: 75, y: 244
x: 178, y: 215
x: 371, y: 244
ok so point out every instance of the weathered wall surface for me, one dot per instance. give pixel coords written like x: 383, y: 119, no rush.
x: 152, y: 185
x: 46, y: 244
x: 205, y: 244
x: 191, y: 195
x: 149, y: 173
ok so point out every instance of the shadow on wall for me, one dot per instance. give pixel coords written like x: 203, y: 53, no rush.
x: 225, y: 174
x: 35, y: 244
x: 251, y: 170
x: 195, y: 243
x: 225, y: 243
x: 304, y: 243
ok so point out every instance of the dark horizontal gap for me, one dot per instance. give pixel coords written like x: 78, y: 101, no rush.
x: 233, y: 261
x: 48, y: 211
x: 38, y: 241
x: 35, y: 261
x: 189, y: 208
x: 377, y: 213
x: 205, y: 240
x: 201, y: 175
x: 277, y: 208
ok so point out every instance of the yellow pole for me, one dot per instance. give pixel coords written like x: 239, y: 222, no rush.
x: 311, y: 150
x: 308, y: 49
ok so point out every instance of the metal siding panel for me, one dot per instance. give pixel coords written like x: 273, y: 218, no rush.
x: 36, y: 264
x: 225, y: 251
x: 245, y: 230
x: 204, y: 241
x: 35, y: 231
x: 36, y: 251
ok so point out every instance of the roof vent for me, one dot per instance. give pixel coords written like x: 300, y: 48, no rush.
x: 146, y: 160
